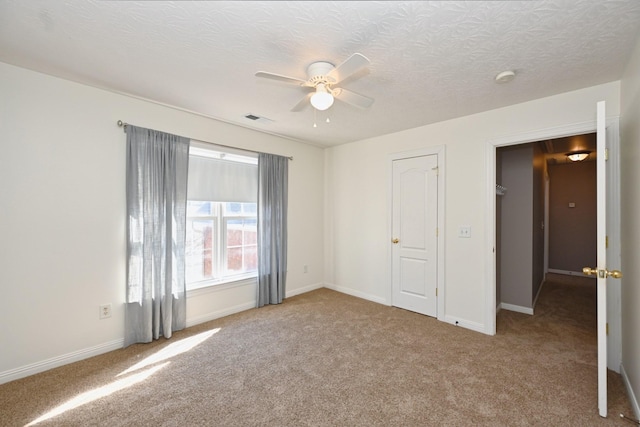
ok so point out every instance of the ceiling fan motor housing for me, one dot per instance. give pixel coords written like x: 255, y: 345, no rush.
x: 317, y: 73
x: 321, y: 76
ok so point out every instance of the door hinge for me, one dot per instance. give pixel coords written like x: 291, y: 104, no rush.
x: 436, y: 291
x: 606, y: 154
x: 437, y: 169
x: 607, y: 328
x: 606, y: 241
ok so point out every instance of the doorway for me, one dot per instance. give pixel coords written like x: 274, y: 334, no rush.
x: 544, y: 207
x: 613, y: 223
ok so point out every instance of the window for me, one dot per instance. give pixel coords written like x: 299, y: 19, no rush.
x: 222, y: 228
x: 221, y: 241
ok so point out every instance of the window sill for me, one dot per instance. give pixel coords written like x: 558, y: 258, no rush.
x: 208, y: 287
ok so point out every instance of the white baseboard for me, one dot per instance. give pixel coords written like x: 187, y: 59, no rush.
x: 474, y: 326
x: 630, y: 393
x: 220, y: 313
x: 356, y: 293
x: 567, y: 272
x: 245, y: 306
x: 304, y: 289
x: 516, y: 308
x: 467, y: 324
x: 54, y: 362
x: 240, y: 307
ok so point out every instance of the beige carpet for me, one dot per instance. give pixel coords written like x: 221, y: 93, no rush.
x: 328, y: 359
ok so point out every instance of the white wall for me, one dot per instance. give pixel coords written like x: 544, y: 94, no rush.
x: 357, y: 208
x: 62, y: 216
x: 630, y: 225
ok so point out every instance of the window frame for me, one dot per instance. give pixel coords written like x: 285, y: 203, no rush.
x: 220, y: 222
x: 243, y: 216
x: 221, y: 244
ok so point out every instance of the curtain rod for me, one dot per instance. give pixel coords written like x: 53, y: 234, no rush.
x: 124, y: 126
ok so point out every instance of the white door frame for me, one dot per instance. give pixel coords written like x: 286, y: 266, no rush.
x: 614, y: 342
x: 439, y: 151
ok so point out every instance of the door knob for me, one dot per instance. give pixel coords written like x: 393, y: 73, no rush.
x: 395, y: 241
x: 616, y: 274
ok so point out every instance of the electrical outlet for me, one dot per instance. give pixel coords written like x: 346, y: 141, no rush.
x: 105, y: 311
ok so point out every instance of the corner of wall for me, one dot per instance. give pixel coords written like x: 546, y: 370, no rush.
x: 630, y: 392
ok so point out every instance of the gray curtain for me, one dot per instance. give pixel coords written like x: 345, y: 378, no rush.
x: 157, y: 166
x: 272, y: 228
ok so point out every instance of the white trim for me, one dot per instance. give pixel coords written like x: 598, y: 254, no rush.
x: 516, y: 308
x: 304, y: 289
x: 547, y: 133
x: 220, y: 313
x: 54, y: 362
x: 569, y: 273
x: 614, y: 252
x: 250, y: 281
x: 240, y: 307
x: 456, y: 321
x: 439, y: 151
x: 490, y: 226
x: 358, y: 294
x: 630, y: 393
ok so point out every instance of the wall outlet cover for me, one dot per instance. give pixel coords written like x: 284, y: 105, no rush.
x: 105, y: 311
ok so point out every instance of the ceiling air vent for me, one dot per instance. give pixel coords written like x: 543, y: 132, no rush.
x: 259, y: 119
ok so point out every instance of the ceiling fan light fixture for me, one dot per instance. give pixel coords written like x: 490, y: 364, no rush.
x: 578, y: 156
x: 322, y: 99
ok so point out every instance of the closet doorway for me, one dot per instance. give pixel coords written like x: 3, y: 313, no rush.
x: 545, y: 207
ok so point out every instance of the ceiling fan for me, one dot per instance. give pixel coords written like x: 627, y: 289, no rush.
x: 323, y: 78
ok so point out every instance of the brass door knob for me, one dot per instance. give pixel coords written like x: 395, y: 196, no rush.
x: 395, y: 241
x: 616, y: 274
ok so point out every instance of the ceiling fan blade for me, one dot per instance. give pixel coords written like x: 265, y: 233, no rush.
x: 353, y: 98
x: 304, y: 103
x: 281, y: 78
x: 354, y: 63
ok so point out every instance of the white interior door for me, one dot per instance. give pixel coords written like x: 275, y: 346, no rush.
x: 414, y: 231
x: 600, y: 271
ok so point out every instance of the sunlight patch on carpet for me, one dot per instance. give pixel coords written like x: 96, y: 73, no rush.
x: 172, y: 350
x: 98, y: 393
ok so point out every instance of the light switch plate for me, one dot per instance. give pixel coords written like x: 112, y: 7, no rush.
x: 464, y: 231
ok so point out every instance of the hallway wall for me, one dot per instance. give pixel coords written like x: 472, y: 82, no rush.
x: 571, y: 244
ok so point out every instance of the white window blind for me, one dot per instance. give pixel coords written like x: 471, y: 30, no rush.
x: 222, y: 180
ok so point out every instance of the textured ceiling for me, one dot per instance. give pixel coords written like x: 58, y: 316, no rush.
x: 430, y: 61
